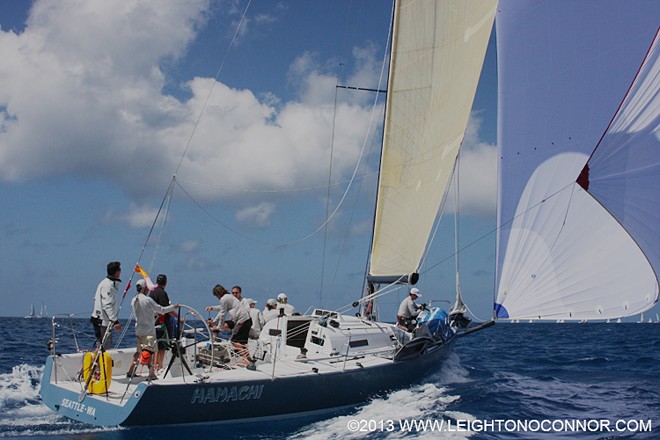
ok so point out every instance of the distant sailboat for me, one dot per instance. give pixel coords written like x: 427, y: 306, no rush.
x: 43, y: 312
x: 32, y: 314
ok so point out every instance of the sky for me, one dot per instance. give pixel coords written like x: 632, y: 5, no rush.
x: 102, y: 103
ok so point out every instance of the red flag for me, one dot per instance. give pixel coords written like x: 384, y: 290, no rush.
x: 128, y: 286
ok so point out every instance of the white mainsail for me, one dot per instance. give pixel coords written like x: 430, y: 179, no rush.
x: 437, y: 54
x: 561, y: 254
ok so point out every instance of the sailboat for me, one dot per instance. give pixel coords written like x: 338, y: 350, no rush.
x: 32, y: 314
x: 327, y: 360
x: 579, y: 161
x: 43, y: 312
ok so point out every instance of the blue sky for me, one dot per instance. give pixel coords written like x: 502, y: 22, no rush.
x: 98, y: 101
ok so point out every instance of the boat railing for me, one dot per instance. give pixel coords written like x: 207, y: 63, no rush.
x: 57, y: 323
x: 385, y: 352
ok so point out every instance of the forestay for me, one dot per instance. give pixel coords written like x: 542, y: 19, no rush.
x: 564, y: 70
x: 437, y: 54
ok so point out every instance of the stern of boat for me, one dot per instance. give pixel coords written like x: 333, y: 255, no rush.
x: 62, y: 391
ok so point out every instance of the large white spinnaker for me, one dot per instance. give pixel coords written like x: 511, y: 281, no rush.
x: 437, y: 54
x: 564, y: 69
x: 623, y: 173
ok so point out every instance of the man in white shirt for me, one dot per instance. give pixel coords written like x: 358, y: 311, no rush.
x: 408, y: 310
x: 237, y: 291
x: 257, y: 317
x: 145, y: 310
x: 283, y: 303
x: 271, y: 311
x: 239, y: 322
x: 106, y: 307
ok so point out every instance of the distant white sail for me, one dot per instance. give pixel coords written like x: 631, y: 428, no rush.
x: 563, y: 76
x: 437, y: 54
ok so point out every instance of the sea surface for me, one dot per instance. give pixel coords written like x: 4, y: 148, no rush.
x: 511, y: 381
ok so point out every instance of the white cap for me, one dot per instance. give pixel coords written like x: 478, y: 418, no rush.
x: 415, y: 291
x: 251, y: 301
x: 141, y: 284
x: 281, y: 296
x: 271, y: 302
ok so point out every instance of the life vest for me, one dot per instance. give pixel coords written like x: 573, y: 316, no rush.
x: 97, y: 384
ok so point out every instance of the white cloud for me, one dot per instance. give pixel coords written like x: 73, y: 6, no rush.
x: 81, y: 93
x: 81, y: 86
x: 136, y: 217
x: 478, y: 174
x: 188, y: 246
x: 256, y: 216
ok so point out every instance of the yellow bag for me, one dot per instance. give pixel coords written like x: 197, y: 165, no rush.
x: 101, y: 384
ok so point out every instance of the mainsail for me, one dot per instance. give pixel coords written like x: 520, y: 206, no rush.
x: 437, y: 54
x: 565, y: 68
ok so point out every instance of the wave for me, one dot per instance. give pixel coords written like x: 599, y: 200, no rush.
x: 381, y: 417
x: 22, y: 412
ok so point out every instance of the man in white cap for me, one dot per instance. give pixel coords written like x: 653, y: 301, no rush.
x: 146, y: 310
x: 408, y: 310
x: 283, y: 304
x: 270, y: 311
x: 257, y: 317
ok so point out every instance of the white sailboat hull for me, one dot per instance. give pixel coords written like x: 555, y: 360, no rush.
x: 287, y: 387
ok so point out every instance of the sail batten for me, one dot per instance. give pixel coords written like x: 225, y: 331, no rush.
x: 438, y: 50
x: 582, y: 248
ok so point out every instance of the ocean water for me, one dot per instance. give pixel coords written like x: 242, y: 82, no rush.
x: 511, y: 381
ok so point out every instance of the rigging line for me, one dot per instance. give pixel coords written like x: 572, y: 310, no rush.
x: 166, y: 214
x: 350, y: 220
x: 473, y: 314
x: 457, y: 199
x: 208, y: 96
x: 199, y: 117
x: 239, y: 233
x: 497, y: 228
x: 268, y: 191
x: 153, y: 224
x: 146, y: 241
x: 355, y: 170
x: 214, y: 218
x: 390, y: 288
x: 327, y: 220
x: 327, y: 200
x: 441, y: 210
